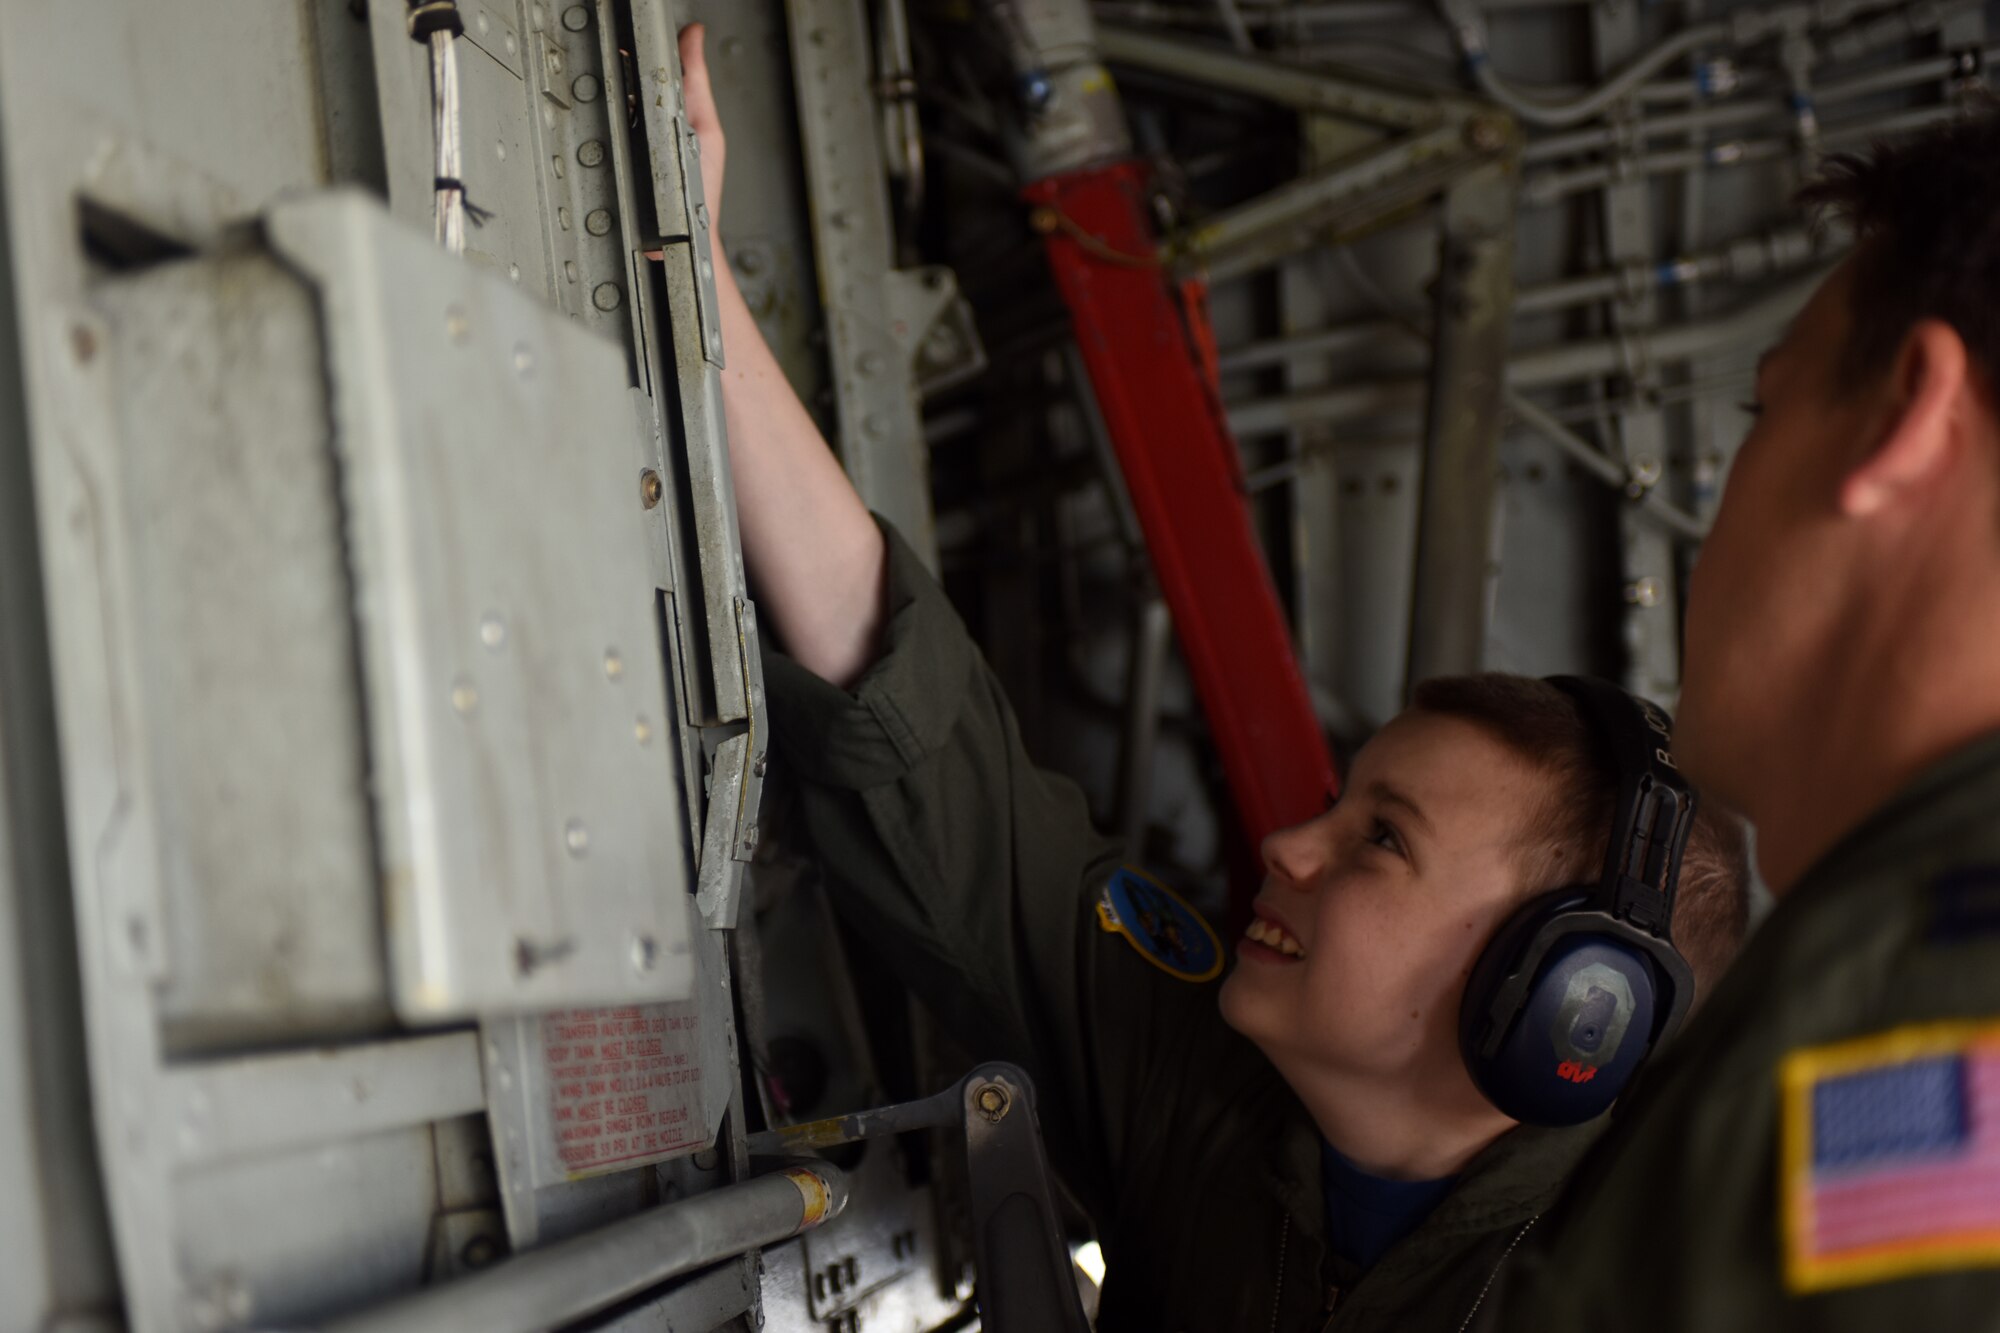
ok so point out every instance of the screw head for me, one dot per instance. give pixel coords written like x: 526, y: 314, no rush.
x: 992, y: 1101
x: 651, y: 488
x: 645, y: 953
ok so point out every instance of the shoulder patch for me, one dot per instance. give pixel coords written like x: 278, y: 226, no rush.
x: 1156, y: 921
x: 1889, y: 1155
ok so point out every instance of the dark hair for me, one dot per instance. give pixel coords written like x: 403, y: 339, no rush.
x: 1566, y: 841
x: 1926, y: 213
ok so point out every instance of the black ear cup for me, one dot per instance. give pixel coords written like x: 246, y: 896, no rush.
x: 1558, y: 1016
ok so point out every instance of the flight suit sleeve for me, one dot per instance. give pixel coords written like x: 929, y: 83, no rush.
x: 976, y: 874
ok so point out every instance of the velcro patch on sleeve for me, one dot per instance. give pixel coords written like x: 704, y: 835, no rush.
x: 1154, y: 919
x: 1889, y: 1160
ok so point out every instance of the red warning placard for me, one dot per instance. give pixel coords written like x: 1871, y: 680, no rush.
x: 625, y: 1084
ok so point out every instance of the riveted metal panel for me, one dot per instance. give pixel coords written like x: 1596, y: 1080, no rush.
x: 533, y: 853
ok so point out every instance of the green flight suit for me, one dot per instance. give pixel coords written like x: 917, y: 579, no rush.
x: 1673, y: 1222
x: 976, y: 875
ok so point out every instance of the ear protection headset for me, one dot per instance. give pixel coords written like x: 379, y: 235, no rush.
x: 1580, y: 984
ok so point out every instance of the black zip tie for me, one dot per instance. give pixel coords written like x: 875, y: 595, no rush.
x: 474, y: 214
x: 430, y: 16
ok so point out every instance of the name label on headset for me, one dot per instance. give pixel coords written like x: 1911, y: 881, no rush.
x: 1657, y: 722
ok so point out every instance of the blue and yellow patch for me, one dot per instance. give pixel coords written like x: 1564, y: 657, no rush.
x: 1889, y: 1161
x: 1164, y: 929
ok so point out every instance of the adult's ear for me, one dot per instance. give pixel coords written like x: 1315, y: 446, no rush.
x: 1926, y: 384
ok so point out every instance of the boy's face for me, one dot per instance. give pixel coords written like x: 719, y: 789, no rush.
x: 1389, y: 897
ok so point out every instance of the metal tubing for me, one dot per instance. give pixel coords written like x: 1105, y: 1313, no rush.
x: 927, y: 1113
x: 1270, y: 80
x: 563, y: 1282
x: 1462, y: 427
x: 1602, y: 466
x: 1776, y: 252
x: 1537, y: 112
x: 1542, y: 367
x: 1290, y: 19
x: 1296, y: 216
x: 1277, y: 351
x: 1735, y: 114
x: 1729, y: 116
x: 1547, y: 187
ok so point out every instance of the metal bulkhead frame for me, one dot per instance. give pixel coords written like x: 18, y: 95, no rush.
x: 380, y: 698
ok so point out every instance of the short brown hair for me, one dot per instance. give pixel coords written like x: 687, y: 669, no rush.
x: 1567, y: 840
x: 1926, y: 212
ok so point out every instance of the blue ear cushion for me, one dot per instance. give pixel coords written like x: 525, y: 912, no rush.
x: 1584, y: 1024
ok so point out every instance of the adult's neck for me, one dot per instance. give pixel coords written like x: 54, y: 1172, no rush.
x: 1907, y: 686
x: 1399, y: 1128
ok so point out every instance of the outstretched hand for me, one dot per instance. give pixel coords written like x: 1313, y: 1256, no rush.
x: 702, y: 118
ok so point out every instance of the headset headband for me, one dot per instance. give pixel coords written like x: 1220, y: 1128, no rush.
x: 1655, y: 806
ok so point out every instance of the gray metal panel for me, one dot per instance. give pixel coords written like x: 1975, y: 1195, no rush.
x: 355, y: 1226
x: 55, y: 1241
x: 245, y: 120
x: 257, y: 1105
x: 695, y: 1306
x: 251, y: 702
x: 532, y: 846
x: 766, y: 228
x: 502, y: 167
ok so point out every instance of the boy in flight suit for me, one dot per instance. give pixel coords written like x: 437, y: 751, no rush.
x: 1311, y: 1152
x: 1821, y: 1149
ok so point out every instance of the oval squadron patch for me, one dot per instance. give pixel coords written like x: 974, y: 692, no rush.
x: 1154, y: 920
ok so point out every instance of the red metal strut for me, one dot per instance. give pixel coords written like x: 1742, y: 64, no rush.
x: 1143, y: 344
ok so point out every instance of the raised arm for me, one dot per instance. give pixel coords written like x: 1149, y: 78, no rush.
x: 814, y: 551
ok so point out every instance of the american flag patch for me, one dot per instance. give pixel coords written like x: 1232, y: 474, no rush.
x: 1890, y: 1155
